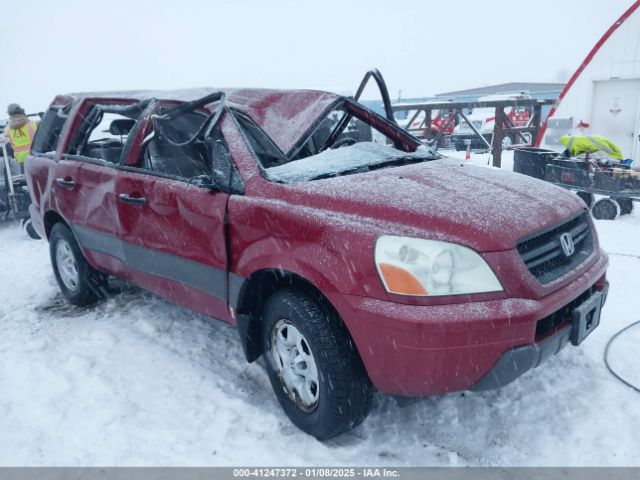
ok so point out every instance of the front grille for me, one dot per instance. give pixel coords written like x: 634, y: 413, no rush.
x: 562, y: 316
x: 543, y: 255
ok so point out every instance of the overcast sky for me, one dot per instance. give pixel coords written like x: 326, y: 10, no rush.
x: 421, y: 47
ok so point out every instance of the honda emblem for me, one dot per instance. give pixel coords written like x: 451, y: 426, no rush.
x: 566, y: 242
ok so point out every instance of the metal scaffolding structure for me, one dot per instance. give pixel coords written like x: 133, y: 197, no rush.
x: 503, y: 125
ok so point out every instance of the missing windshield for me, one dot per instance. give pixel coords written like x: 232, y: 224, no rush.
x: 346, y: 139
x: 360, y: 157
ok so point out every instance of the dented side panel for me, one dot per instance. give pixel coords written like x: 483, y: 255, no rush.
x: 174, y: 244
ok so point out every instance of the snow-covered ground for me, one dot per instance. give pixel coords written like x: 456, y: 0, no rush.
x: 138, y: 381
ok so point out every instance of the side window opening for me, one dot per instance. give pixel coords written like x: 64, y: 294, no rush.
x: 104, y: 131
x: 106, y: 140
x: 171, y: 148
x: 189, y: 148
x: 48, y: 133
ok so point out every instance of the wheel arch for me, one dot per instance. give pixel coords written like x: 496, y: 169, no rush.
x: 51, y: 217
x: 252, y: 296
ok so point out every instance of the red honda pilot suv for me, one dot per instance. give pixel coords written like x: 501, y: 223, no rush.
x: 352, y: 259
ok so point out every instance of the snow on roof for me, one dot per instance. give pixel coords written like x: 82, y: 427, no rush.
x: 506, y: 88
x: 504, y: 96
x: 283, y: 114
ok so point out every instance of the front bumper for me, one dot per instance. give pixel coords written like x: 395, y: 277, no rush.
x: 517, y: 361
x: 417, y: 350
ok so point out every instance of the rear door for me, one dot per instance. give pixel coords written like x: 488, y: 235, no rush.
x: 67, y: 194
x: 85, y: 184
x: 172, y: 230
x: 63, y: 194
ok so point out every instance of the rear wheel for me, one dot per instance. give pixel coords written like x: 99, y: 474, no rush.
x: 80, y: 283
x: 27, y: 226
x: 626, y: 205
x: 313, y: 366
x: 605, y: 209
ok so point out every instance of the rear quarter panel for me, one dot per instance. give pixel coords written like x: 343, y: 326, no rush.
x: 38, y: 170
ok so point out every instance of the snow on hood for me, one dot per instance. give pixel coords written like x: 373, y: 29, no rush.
x: 342, y: 160
x: 485, y: 209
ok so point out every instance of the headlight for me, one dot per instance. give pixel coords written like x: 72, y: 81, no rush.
x: 412, y: 266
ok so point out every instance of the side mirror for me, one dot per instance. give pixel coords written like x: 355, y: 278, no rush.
x: 204, y: 181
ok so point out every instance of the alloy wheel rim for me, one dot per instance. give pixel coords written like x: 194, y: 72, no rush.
x: 295, y: 365
x: 67, y: 265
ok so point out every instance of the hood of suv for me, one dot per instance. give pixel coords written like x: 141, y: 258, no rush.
x: 486, y: 209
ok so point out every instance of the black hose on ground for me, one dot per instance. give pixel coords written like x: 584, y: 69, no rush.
x: 606, y: 357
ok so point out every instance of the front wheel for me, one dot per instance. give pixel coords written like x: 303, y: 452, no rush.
x: 80, y: 283
x: 314, y: 368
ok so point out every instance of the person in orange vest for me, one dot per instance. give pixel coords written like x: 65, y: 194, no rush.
x: 20, y: 132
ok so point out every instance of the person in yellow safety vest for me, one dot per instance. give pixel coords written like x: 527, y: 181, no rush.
x: 20, y: 132
x: 578, y: 144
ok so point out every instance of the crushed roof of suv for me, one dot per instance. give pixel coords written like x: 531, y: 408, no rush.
x: 285, y: 115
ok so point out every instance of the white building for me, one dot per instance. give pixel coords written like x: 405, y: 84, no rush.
x: 603, y: 95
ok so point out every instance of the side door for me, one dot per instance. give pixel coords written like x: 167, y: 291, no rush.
x: 173, y: 231
x: 85, y: 186
x: 74, y: 196
x: 64, y: 192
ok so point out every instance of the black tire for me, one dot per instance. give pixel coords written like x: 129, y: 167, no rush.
x: 587, y: 198
x: 626, y: 205
x: 605, y: 209
x: 90, y: 284
x: 508, y: 138
x: 28, y: 227
x: 344, y: 392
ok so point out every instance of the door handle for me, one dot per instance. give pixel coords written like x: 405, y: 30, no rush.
x: 123, y: 197
x: 66, y: 182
